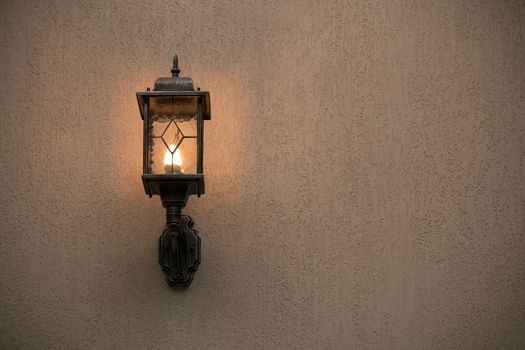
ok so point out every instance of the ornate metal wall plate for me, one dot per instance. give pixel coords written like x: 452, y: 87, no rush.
x: 179, y: 251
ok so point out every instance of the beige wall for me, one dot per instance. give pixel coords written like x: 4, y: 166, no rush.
x: 364, y: 169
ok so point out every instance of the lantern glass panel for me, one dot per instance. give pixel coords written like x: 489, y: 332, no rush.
x: 173, y: 134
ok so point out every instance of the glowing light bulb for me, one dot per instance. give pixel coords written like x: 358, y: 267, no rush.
x: 172, y: 160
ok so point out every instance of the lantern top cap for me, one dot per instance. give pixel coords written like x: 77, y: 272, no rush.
x: 174, y: 83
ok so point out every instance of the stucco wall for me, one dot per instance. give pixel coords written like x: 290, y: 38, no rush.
x: 364, y: 168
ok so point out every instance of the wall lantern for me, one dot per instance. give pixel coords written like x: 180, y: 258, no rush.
x: 173, y: 115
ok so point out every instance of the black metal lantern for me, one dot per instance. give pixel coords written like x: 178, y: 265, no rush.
x: 173, y: 115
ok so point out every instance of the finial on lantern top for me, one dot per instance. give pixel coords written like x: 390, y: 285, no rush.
x: 175, y: 70
x: 174, y: 83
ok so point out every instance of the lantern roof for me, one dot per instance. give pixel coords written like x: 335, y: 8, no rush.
x: 174, y: 86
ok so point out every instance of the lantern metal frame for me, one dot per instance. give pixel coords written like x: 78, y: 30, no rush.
x: 179, y: 244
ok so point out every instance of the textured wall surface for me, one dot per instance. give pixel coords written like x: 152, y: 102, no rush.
x: 365, y: 168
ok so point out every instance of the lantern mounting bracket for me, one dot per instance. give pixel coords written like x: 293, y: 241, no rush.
x: 179, y: 244
x: 179, y: 248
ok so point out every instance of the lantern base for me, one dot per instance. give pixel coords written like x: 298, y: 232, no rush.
x: 162, y: 184
x: 179, y: 248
